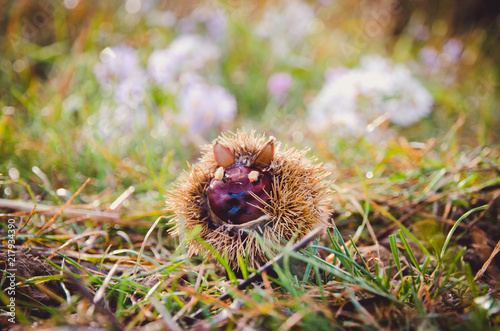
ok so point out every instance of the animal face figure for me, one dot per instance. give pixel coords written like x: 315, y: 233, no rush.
x: 238, y: 191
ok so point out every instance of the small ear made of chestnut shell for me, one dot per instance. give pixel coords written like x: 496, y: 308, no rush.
x: 223, y: 155
x: 265, y: 155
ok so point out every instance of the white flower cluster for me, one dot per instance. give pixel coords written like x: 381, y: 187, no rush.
x: 186, y: 54
x: 178, y: 70
x: 121, y: 76
x: 353, y: 98
x: 286, y: 26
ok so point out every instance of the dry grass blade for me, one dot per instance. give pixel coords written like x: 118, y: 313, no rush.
x: 66, y: 205
x: 76, y: 238
x: 291, y: 321
x: 122, y: 198
x: 144, y: 242
x: 165, y: 315
x: 481, y: 272
x: 220, y: 318
x: 100, y: 293
x: 32, y: 212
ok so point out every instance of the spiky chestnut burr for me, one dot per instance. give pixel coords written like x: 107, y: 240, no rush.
x: 245, y: 186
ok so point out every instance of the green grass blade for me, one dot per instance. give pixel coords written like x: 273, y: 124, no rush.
x: 220, y: 259
x: 394, y: 250
x: 408, y: 250
x: 450, y: 234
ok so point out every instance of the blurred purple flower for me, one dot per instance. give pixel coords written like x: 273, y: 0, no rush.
x: 279, y: 84
x: 429, y: 56
x: 203, y: 106
x: 119, y: 73
x: 453, y: 48
x: 117, y: 64
x: 211, y: 20
x: 187, y: 53
x: 131, y: 92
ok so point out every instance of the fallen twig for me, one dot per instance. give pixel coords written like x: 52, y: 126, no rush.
x: 92, y: 215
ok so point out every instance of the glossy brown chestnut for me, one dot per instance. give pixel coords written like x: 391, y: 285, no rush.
x: 230, y: 198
